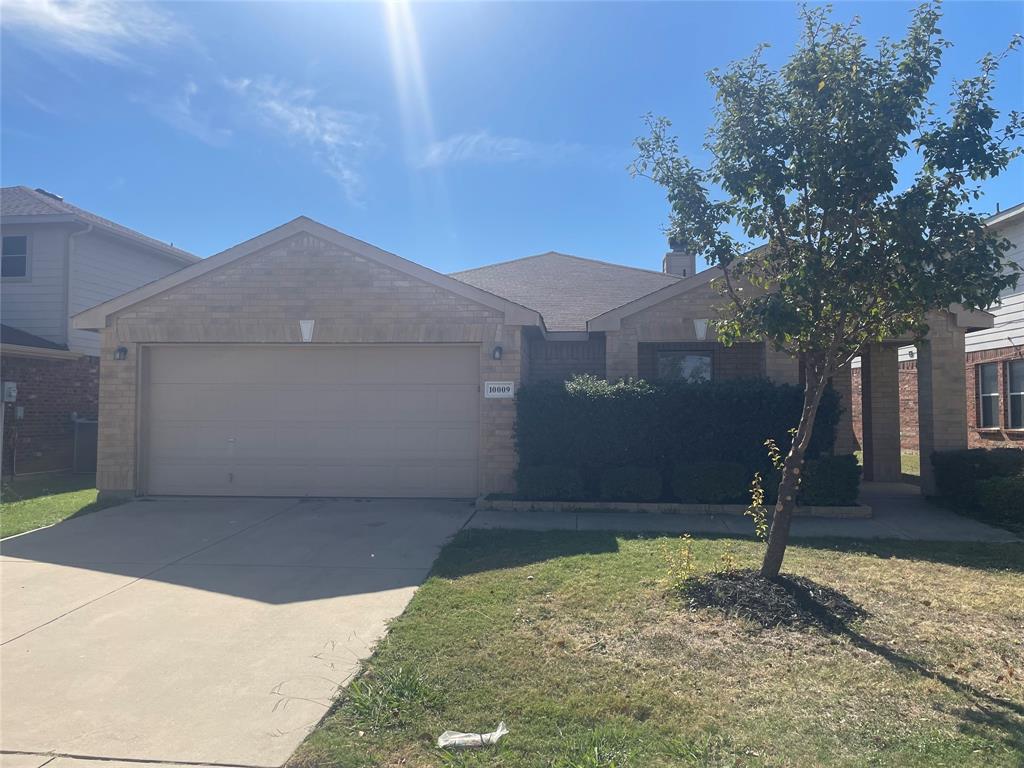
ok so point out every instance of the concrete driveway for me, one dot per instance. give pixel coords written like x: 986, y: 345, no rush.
x: 204, y: 631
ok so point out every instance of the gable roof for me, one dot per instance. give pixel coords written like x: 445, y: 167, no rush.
x: 566, y: 290
x: 96, y: 318
x: 33, y: 204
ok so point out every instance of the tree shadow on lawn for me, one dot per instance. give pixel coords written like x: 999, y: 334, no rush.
x: 1003, y: 715
x: 476, y: 551
x: 479, y: 550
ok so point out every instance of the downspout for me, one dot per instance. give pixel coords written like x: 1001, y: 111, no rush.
x: 69, y: 252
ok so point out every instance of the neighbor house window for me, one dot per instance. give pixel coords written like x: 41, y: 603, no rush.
x: 988, y: 395
x: 684, y: 366
x: 1015, y: 394
x: 15, y: 256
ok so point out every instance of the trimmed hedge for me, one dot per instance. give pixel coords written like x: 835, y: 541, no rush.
x: 593, y: 425
x: 631, y: 484
x: 1001, y: 500
x: 984, y: 483
x: 830, y: 481
x: 957, y: 472
x: 550, y: 482
x: 711, y: 482
x: 703, y: 442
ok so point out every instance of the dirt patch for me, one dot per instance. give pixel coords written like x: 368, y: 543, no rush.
x: 793, y: 602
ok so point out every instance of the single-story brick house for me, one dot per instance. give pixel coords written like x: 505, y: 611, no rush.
x: 306, y: 362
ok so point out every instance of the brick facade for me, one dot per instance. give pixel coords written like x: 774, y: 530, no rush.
x: 49, y: 391
x: 740, y: 361
x: 976, y: 437
x: 631, y: 349
x: 561, y: 360
x: 260, y: 298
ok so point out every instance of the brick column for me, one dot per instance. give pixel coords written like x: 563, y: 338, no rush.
x: 842, y: 383
x: 941, y: 393
x: 620, y: 354
x: 880, y: 394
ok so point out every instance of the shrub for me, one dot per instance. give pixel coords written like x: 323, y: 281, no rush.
x: 830, y: 481
x: 593, y: 425
x: 710, y: 482
x: 550, y: 483
x: 1001, y: 500
x: 957, y: 473
x: 631, y: 484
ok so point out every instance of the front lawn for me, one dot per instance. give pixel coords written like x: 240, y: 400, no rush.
x: 572, y: 639
x: 32, y: 501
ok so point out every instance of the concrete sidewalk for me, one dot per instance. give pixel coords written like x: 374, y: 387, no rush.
x: 899, y: 510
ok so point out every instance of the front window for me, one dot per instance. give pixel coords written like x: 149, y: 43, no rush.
x: 988, y: 395
x: 1016, y: 393
x: 14, y: 262
x: 684, y: 366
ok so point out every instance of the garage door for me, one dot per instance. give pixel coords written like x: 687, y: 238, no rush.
x: 262, y: 420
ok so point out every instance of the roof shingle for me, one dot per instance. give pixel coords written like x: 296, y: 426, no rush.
x: 22, y: 201
x: 566, y: 290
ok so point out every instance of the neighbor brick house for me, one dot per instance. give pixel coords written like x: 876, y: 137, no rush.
x: 993, y: 362
x: 58, y: 260
x: 306, y: 362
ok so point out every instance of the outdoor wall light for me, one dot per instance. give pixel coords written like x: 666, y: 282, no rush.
x: 496, y: 353
x: 121, y: 353
x: 700, y: 329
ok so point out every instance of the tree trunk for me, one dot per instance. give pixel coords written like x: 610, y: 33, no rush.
x: 778, y: 536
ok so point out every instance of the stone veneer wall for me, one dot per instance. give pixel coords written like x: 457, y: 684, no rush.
x: 261, y: 297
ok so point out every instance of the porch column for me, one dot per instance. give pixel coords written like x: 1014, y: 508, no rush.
x: 880, y: 393
x: 941, y: 393
x: 841, y: 382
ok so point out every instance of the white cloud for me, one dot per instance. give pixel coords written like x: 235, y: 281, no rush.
x: 182, y: 113
x: 338, y: 138
x: 483, y: 148
x: 98, y: 29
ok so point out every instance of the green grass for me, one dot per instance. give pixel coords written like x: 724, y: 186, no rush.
x: 910, y: 461
x: 574, y: 641
x: 33, y: 501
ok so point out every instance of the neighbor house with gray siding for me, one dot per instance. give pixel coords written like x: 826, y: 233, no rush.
x: 58, y: 260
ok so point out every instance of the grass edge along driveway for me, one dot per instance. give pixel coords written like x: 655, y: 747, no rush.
x: 572, y: 639
x: 28, y: 502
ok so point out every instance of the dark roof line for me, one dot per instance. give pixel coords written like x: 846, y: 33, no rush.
x: 19, y: 338
x: 50, y: 205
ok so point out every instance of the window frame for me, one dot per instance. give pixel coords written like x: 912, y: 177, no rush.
x: 27, y: 256
x: 981, y: 395
x: 708, y: 352
x: 1010, y: 394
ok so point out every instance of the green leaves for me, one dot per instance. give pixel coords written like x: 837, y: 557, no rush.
x: 805, y: 159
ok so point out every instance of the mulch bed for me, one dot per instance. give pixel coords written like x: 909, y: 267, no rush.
x: 792, y: 602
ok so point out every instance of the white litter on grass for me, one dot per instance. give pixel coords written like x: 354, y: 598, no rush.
x: 458, y: 739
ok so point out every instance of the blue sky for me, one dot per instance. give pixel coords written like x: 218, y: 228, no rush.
x: 454, y: 134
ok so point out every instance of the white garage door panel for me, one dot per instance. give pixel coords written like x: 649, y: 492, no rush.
x: 312, y: 421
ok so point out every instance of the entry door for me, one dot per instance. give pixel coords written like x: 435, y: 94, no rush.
x: 314, y: 420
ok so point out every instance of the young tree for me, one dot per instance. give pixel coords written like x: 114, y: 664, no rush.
x: 838, y: 162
